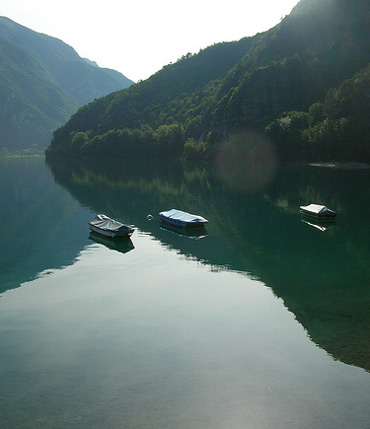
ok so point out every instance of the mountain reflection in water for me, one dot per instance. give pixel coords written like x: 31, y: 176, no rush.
x: 323, y: 278
x: 42, y: 226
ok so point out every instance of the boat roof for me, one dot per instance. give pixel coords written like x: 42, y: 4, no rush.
x: 316, y: 208
x: 184, y: 216
x: 104, y: 222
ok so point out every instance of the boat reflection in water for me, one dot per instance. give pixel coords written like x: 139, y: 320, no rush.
x: 321, y: 226
x: 195, y: 233
x: 122, y: 245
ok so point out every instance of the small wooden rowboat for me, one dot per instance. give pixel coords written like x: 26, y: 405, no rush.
x: 107, y: 227
x: 182, y: 219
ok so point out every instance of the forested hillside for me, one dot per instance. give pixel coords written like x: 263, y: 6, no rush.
x: 335, y: 129
x: 266, y: 83
x: 42, y: 82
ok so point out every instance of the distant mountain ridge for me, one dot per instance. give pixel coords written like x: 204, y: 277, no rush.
x: 42, y: 82
x: 189, y: 108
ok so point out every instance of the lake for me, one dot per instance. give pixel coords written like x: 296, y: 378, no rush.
x: 261, y: 320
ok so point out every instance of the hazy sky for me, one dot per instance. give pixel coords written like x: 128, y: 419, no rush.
x: 139, y: 37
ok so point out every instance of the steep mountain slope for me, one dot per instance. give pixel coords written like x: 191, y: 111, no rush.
x: 179, y: 93
x: 42, y: 82
x: 31, y: 103
x: 228, y: 87
x: 315, y: 48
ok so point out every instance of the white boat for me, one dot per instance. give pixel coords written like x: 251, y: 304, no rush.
x: 107, y: 227
x: 182, y: 219
x: 318, y: 211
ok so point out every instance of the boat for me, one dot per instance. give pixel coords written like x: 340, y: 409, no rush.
x: 318, y: 211
x: 182, y: 219
x: 107, y: 227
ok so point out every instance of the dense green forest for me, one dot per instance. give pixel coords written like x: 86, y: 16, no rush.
x: 303, y: 85
x: 43, y: 82
x: 335, y: 129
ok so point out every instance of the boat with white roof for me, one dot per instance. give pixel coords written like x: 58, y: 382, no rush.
x: 318, y: 211
x: 182, y: 219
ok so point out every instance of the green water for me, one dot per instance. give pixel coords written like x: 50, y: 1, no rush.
x: 261, y: 320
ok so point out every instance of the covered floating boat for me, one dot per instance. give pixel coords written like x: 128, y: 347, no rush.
x: 318, y: 211
x: 107, y: 227
x: 182, y: 219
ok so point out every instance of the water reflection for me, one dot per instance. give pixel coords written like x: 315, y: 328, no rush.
x: 323, y: 278
x: 42, y: 226
x: 122, y: 245
x: 321, y: 226
x: 191, y: 233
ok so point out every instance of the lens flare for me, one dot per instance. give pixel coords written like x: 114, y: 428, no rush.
x: 246, y: 162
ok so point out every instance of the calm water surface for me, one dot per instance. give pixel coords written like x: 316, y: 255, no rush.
x: 260, y: 321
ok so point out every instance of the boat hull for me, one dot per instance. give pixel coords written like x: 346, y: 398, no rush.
x: 111, y: 234
x: 181, y: 224
x: 318, y: 216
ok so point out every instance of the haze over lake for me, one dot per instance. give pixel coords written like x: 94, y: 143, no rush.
x: 260, y: 320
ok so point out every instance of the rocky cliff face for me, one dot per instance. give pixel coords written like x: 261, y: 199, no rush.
x: 263, y: 95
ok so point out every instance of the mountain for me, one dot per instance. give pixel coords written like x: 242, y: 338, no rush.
x: 42, y: 82
x: 191, y: 107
